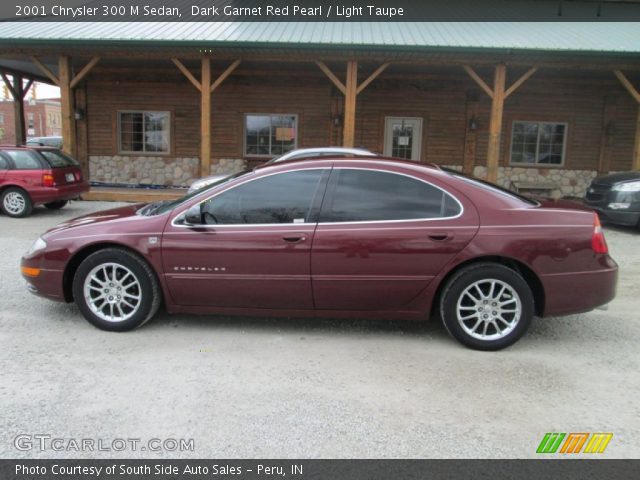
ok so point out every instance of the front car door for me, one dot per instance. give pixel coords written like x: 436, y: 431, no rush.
x: 383, y: 236
x: 253, y: 250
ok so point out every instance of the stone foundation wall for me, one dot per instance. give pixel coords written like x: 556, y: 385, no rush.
x: 570, y: 183
x: 228, y: 165
x: 150, y: 170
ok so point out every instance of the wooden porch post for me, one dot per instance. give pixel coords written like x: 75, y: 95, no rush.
x: 350, y: 89
x: 349, y: 128
x: 18, y: 110
x: 18, y: 92
x: 205, y: 118
x: 633, y: 91
x: 67, y: 82
x: 495, y: 123
x: 67, y: 106
x: 498, y: 95
x: 206, y: 87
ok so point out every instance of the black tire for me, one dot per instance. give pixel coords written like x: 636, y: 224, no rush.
x: 493, y: 311
x: 147, y: 289
x: 56, y: 205
x: 16, y: 203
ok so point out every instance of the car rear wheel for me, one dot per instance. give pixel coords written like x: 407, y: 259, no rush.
x: 487, y: 306
x: 116, y: 290
x: 56, y: 205
x: 16, y: 203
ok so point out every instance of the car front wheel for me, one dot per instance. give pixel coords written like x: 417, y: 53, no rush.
x: 487, y: 306
x: 16, y: 203
x: 116, y: 290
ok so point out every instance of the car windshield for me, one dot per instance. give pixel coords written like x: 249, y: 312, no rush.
x: 57, y: 159
x: 488, y: 186
x: 158, y: 208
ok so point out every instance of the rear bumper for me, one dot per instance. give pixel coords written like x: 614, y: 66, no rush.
x: 588, y: 290
x: 54, y: 194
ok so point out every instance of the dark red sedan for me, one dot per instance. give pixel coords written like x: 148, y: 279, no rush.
x: 37, y: 175
x: 334, y: 238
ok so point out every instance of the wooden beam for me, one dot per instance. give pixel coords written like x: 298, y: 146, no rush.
x: 205, y: 117
x: 25, y: 90
x: 371, y: 78
x: 225, y: 74
x: 495, y: 123
x: 7, y: 82
x: 628, y: 85
x: 82, y: 73
x: 351, y: 87
x: 67, y: 106
x: 520, y: 81
x: 472, y: 73
x: 46, y: 70
x: 327, y: 71
x: 185, y: 71
x: 18, y: 111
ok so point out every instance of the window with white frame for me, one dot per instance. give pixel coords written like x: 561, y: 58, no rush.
x: 144, y: 132
x: 538, y: 143
x: 270, y: 134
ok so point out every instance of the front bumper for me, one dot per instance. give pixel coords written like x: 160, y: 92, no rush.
x: 48, y: 283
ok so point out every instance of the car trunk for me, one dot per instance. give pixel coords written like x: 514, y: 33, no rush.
x: 66, y: 175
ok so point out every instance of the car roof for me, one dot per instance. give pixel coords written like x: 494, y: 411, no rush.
x: 27, y: 147
x: 375, y: 159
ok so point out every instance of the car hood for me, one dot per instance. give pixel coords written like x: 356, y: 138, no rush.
x: 115, y: 215
x: 619, y: 177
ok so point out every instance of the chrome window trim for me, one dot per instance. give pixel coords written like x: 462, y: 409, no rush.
x: 425, y: 219
x: 294, y: 225
x: 302, y: 224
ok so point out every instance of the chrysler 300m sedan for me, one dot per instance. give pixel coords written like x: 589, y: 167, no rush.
x: 374, y: 238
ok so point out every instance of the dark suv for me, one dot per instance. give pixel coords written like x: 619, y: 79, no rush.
x: 37, y: 175
x: 616, y: 197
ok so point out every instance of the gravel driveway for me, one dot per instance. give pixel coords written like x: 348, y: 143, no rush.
x: 254, y: 387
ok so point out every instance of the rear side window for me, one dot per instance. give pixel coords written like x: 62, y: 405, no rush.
x: 369, y: 195
x: 57, y: 159
x: 4, y: 164
x: 280, y: 198
x: 24, y: 160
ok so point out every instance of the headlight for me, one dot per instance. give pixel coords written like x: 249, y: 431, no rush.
x: 627, y: 187
x: 39, y: 244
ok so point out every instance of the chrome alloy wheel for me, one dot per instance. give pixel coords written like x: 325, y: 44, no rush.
x: 112, y: 292
x: 488, y: 309
x: 14, y: 203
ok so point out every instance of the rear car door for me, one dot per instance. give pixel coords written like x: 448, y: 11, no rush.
x: 382, y: 237
x: 27, y: 168
x: 4, y: 167
x: 254, y: 249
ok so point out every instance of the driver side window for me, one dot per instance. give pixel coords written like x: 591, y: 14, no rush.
x: 279, y: 198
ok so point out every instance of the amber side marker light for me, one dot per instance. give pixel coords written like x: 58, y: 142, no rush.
x: 598, y: 242
x: 30, y: 271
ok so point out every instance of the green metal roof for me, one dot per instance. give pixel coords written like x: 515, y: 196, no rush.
x: 613, y: 37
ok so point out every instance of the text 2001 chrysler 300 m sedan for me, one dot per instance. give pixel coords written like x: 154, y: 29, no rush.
x: 334, y: 237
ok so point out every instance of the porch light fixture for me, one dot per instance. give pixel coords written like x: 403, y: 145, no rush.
x: 473, y: 123
x: 78, y: 114
x: 336, y: 120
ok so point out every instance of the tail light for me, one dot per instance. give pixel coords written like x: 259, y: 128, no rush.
x: 48, y: 180
x: 78, y: 176
x: 598, y: 242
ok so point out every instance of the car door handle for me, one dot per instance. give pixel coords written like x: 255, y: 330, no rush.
x: 294, y: 238
x: 440, y: 237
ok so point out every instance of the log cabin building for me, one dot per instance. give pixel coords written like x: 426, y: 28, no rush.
x: 528, y: 105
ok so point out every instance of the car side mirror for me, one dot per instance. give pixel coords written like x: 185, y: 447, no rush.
x: 193, y: 216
